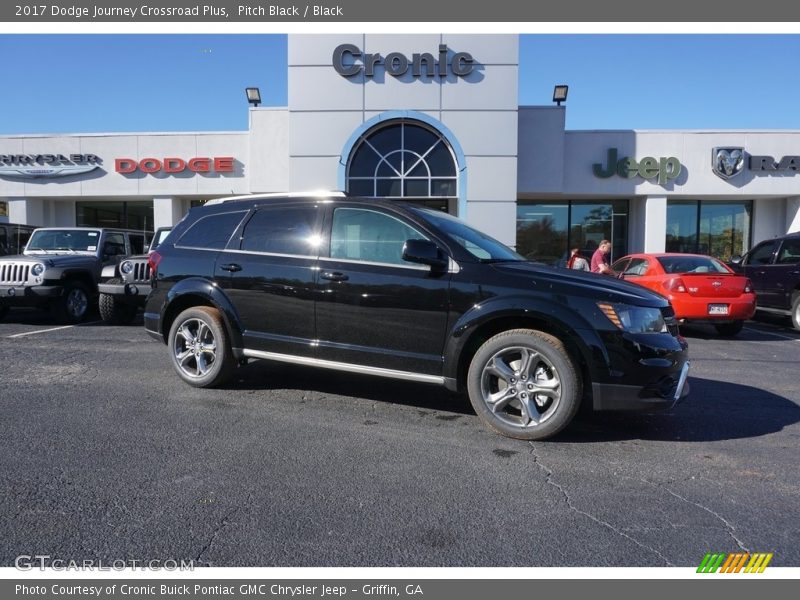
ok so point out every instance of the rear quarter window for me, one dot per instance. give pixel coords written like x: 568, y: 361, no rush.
x: 211, y: 231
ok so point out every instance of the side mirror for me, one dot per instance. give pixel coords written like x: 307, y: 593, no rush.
x: 737, y: 260
x: 424, y: 252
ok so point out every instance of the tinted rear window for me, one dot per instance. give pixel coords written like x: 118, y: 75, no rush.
x: 211, y: 231
x: 691, y: 264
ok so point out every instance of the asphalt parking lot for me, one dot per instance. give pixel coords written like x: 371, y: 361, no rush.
x: 107, y: 454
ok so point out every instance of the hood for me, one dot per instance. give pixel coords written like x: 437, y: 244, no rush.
x: 579, y: 283
x: 54, y: 260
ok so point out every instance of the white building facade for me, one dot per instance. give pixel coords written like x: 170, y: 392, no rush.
x: 433, y: 119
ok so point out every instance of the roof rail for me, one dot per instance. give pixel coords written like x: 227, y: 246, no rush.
x: 309, y: 194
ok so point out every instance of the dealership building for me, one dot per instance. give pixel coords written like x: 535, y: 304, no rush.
x: 433, y: 119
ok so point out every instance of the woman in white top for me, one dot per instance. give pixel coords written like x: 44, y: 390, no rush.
x: 576, y: 261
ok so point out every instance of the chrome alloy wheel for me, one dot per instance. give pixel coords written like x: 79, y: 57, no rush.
x: 194, y: 347
x: 520, y: 387
x: 77, y: 303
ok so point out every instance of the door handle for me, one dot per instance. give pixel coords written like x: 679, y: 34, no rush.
x: 333, y: 276
x: 232, y: 267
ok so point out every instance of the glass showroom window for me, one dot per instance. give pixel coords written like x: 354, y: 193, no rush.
x: 547, y: 230
x: 403, y: 159
x: 719, y: 229
x: 131, y: 215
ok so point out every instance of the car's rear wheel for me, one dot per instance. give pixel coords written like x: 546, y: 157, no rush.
x: 524, y: 385
x: 729, y: 329
x: 200, y: 348
x: 73, y: 304
x: 113, y: 310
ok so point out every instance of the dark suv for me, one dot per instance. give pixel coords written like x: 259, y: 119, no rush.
x: 774, y: 268
x: 402, y: 291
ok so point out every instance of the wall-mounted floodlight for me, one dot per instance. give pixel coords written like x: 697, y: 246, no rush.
x: 253, y: 95
x: 560, y: 94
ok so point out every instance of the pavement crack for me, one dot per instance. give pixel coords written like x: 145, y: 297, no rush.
x: 549, y: 480
x: 728, y: 525
x: 220, y: 526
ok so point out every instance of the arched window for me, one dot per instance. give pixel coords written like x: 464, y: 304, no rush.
x: 402, y: 159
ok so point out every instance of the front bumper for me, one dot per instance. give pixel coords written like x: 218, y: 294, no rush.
x: 11, y: 295
x: 134, y: 292
x: 662, y: 394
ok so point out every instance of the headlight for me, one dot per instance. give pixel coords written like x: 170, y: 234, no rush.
x: 635, y: 319
x: 37, y: 269
x: 126, y: 267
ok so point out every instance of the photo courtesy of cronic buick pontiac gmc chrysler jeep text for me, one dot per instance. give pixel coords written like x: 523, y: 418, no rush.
x: 403, y: 291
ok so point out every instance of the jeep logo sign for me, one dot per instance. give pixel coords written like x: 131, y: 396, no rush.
x: 349, y: 60
x: 665, y: 168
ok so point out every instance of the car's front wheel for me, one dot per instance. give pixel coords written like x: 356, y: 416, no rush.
x: 73, y: 305
x: 796, y: 311
x: 200, y: 348
x: 524, y: 384
x: 115, y: 311
x: 3, y: 312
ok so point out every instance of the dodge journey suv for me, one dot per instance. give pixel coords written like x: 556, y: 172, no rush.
x: 402, y: 291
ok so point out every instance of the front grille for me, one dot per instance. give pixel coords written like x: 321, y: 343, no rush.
x: 14, y: 273
x: 141, y: 271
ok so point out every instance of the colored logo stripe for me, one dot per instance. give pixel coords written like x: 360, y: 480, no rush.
x: 733, y: 563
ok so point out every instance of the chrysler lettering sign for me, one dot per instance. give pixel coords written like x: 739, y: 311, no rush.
x: 38, y: 166
x: 349, y: 60
x: 200, y: 164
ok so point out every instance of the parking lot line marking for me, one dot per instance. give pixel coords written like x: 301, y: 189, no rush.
x: 783, y: 337
x: 18, y: 335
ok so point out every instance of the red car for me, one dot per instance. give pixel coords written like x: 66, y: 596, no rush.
x: 700, y: 288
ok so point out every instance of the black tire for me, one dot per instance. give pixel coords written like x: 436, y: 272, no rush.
x: 73, y: 305
x: 796, y: 311
x: 191, y: 335
x: 3, y: 312
x: 729, y: 329
x: 114, y: 311
x: 550, y: 371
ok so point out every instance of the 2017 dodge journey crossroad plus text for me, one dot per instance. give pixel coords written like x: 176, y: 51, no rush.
x: 403, y: 291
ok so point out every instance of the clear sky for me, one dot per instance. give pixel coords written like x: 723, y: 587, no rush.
x: 96, y: 83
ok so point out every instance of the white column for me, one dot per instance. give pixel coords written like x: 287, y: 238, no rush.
x: 167, y: 211
x: 793, y: 214
x: 26, y: 211
x: 655, y: 223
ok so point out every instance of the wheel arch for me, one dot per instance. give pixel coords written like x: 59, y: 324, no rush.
x: 198, y: 292
x: 472, y: 330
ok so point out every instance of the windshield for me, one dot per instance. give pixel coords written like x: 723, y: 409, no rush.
x: 692, y: 264
x: 64, y: 240
x: 161, y: 234
x: 477, y: 243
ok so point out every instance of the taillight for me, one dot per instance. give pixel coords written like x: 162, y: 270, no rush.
x: 675, y: 285
x: 748, y: 286
x: 153, y: 261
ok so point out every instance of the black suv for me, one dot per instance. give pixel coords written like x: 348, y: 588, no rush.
x: 774, y: 268
x: 60, y: 267
x: 403, y: 291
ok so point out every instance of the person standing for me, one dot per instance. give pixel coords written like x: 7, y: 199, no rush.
x: 601, y: 259
x: 576, y: 261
